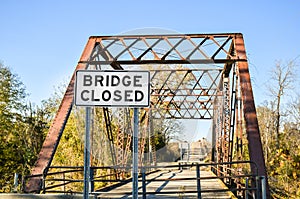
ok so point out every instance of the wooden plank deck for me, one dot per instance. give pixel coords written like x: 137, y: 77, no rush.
x: 173, y: 189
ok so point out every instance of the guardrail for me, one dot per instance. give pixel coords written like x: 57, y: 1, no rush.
x: 243, y: 185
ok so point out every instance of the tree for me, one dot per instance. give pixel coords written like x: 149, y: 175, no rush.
x: 280, y: 128
x: 12, y: 96
x: 36, y: 121
x: 266, y: 126
x: 22, y: 129
x: 282, y: 78
x: 294, y: 111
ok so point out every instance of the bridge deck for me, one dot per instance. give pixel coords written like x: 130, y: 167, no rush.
x: 173, y: 188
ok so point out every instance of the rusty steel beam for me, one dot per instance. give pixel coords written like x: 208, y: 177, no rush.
x: 226, y: 119
x: 163, y: 49
x: 124, y: 136
x: 56, y: 129
x: 207, y: 35
x: 252, y: 129
x: 162, y: 61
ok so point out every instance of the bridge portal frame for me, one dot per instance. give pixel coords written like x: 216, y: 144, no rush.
x: 229, y: 49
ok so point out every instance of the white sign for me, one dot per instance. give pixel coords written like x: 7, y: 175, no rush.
x: 112, y: 88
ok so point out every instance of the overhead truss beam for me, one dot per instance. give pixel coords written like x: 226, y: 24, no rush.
x: 164, y: 49
x: 184, y: 93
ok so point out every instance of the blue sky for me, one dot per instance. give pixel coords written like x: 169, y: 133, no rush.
x: 42, y: 40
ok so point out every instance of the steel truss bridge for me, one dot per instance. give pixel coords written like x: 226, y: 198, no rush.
x: 193, y: 76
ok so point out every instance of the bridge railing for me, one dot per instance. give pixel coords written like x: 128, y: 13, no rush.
x: 104, y: 179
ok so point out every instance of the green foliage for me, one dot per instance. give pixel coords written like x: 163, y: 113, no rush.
x: 280, y: 134
x: 70, y: 153
x: 70, y: 149
x: 22, y: 129
x: 12, y: 91
x: 284, y: 166
x: 12, y: 94
x: 283, y: 162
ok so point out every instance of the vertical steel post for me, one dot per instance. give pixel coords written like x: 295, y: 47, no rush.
x: 198, y: 182
x: 64, y: 177
x: 247, y: 191
x: 188, y: 152
x: 258, y: 187
x: 16, y: 183
x: 263, y: 187
x: 226, y: 127
x: 144, y: 183
x: 44, y: 181
x: 87, y: 153
x: 92, y: 182
x: 149, y: 140
x: 135, y: 154
x: 181, y: 156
